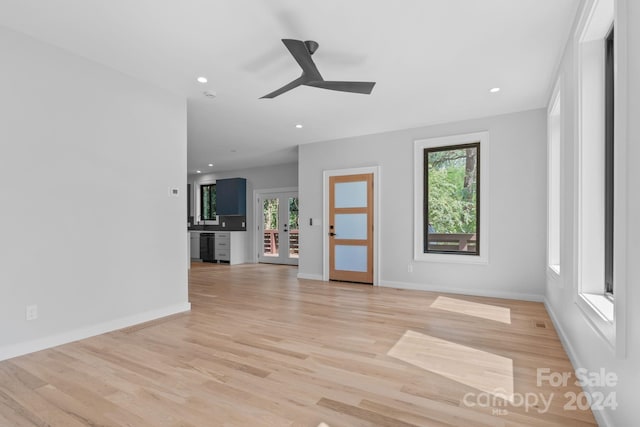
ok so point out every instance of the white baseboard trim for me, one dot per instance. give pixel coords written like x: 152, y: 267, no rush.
x: 568, y: 348
x: 19, y: 349
x: 601, y: 417
x: 309, y: 276
x: 450, y: 290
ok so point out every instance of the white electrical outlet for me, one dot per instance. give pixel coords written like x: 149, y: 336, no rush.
x: 32, y: 312
x: 224, y: 224
x: 410, y: 268
x: 242, y: 224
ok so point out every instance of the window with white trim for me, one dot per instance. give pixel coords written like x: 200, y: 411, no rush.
x: 595, y: 170
x: 554, y: 143
x: 205, y: 201
x: 208, y: 202
x: 450, y: 217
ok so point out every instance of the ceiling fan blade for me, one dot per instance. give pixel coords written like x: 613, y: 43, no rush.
x: 297, y: 82
x: 302, y: 56
x: 354, y: 87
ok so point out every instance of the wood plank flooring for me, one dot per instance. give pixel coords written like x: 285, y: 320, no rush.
x: 262, y: 348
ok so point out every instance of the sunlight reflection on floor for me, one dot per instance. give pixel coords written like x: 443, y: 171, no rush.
x: 479, y: 369
x: 485, y: 311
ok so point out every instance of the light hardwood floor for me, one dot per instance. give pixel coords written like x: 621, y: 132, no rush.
x: 263, y: 348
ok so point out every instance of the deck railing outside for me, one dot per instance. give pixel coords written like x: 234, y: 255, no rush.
x: 272, y: 243
x: 446, y: 242
x: 441, y: 242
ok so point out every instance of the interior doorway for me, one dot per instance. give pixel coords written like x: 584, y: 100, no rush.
x: 277, y: 225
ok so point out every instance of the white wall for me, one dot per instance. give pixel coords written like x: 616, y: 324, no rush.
x: 262, y: 178
x: 585, y: 346
x: 517, y: 206
x: 88, y: 231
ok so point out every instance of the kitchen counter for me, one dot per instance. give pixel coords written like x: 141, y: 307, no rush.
x: 231, y: 223
x: 214, y: 228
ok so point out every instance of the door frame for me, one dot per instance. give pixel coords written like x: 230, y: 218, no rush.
x: 375, y: 170
x: 257, y: 216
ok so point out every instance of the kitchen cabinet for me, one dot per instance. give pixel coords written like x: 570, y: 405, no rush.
x: 231, y: 196
x: 223, y: 247
x: 195, y: 245
x: 189, y: 204
x: 229, y: 246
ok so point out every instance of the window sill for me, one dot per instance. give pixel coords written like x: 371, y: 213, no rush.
x: 553, y: 275
x: 602, y: 305
x: 451, y: 258
x: 599, y: 312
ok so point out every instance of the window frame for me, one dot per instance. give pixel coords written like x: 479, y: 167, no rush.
x: 609, y: 107
x: 555, y: 181
x: 419, y: 194
x: 425, y: 226
x: 606, y: 316
x: 200, y: 206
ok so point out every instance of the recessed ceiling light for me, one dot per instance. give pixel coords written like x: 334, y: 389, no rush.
x: 494, y: 89
x: 299, y: 126
x: 198, y: 171
x: 210, y: 165
x: 202, y: 79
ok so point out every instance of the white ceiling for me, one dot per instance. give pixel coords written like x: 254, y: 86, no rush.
x: 433, y: 61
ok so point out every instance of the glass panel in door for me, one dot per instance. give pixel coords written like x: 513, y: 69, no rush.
x: 293, y: 227
x: 351, y: 226
x: 350, y: 194
x: 351, y: 258
x: 270, y: 211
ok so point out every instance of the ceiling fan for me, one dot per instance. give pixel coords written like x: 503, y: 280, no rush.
x: 302, y: 52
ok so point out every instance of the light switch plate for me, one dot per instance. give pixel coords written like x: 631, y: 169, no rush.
x: 32, y: 312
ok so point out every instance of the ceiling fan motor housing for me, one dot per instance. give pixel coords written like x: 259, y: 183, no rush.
x: 312, y: 46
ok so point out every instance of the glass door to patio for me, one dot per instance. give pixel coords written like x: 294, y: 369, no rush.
x: 279, y: 228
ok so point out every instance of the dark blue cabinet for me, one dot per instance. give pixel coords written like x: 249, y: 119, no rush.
x: 231, y: 196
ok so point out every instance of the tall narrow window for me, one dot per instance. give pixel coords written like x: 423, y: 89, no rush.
x: 208, y: 202
x: 452, y: 199
x: 594, y: 170
x: 554, y: 124
x: 609, y: 166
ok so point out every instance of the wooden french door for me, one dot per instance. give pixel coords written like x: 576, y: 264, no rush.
x: 351, y: 228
